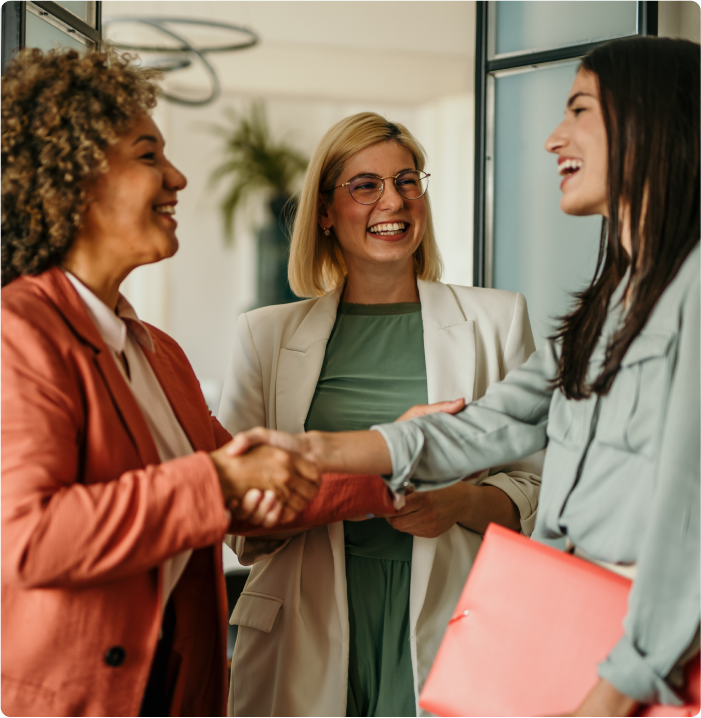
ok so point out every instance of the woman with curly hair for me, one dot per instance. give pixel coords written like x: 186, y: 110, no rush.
x: 115, y: 481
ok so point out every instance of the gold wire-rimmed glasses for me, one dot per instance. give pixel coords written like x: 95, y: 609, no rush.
x: 367, y: 189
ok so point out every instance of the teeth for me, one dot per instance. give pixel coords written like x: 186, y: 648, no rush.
x: 388, y: 228
x: 165, y: 209
x: 569, y: 166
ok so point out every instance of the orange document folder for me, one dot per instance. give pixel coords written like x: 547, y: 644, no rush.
x: 530, y: 627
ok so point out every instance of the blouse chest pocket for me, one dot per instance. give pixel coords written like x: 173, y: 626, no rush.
x: 632, y: 411
x: 568, y: 420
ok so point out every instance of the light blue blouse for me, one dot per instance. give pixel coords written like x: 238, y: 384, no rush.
x: 621, y: 474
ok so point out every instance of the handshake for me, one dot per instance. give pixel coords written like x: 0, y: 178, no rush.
x: 267, y: 477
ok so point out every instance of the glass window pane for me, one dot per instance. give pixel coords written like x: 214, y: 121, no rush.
x: 538, y: 250
x: 45, y: 36
x: 527, y: 26
x: 81, y: 8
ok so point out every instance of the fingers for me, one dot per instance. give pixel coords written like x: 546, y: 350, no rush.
x: 247, y: 505
x: 266, y: 505
x: 245, y: 440
x: 287, y: 515
x: 447, y: 407
x: 275, y: 515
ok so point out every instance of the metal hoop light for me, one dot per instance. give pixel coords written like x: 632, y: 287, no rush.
x: 170, y: 63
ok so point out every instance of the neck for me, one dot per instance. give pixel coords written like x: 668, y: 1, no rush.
x: 100, y: 276
x: 380, y: 283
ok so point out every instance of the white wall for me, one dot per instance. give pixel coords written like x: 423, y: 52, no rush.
x: 308, y: 72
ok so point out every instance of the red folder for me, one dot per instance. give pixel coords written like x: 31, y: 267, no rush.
x: 530, y: 627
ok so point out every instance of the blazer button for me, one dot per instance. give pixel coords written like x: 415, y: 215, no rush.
x: 115, y: 656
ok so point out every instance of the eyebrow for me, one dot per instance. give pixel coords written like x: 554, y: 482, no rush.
x: 146, y: 138
x: 576, y: 95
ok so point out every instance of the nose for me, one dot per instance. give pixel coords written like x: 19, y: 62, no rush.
x: 557, y: 139
x: 391, y: 200
x: 173, y: 178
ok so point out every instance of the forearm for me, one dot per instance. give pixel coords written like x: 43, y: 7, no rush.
x: 353, y: 452
x: 606, y: 700
x: 487, y: 504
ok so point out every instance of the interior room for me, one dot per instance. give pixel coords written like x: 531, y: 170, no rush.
x: 480, y: 84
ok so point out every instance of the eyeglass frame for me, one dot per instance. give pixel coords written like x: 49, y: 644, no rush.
x: 426, y: 175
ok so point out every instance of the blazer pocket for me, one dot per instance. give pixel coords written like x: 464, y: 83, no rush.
x: 633, y: 409
x: 256, y: 610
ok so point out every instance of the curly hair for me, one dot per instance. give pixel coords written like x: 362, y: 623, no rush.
x: 60, y: 112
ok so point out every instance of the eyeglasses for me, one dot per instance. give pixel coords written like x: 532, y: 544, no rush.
x: 367, y: 189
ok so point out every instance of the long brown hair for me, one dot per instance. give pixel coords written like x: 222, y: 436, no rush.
x: 649, y: 92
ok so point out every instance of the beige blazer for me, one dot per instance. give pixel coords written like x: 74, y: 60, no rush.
x: 291, y: 655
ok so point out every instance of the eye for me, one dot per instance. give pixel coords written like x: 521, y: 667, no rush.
x: 577, y: 110
x: 149, y: 157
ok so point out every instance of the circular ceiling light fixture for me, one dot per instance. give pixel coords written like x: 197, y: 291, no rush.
x: 181, y: 53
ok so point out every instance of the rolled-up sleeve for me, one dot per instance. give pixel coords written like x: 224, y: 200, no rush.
x: 506, y: 424
x: 663, y: 610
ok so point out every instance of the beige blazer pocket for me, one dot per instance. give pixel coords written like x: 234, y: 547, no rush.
x: 256, y: 610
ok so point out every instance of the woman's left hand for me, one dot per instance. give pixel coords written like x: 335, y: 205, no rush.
x: 431, y: 513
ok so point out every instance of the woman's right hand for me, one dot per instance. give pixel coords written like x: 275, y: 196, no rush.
x: 447, y: 407
x: 283, y: 481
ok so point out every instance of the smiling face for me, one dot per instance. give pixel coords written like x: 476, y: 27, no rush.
x: 580, y: 143
x: 387, y: 232
x: 128, y: 219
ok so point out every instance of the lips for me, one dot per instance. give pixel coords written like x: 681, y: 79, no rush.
x: 167, y: 210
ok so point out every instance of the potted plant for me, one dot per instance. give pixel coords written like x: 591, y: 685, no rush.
x: 256, y: 163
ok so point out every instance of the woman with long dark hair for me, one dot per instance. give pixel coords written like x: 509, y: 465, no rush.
x: 615, y: 393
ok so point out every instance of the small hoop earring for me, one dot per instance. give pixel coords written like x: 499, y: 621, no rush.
x: 326, y: 232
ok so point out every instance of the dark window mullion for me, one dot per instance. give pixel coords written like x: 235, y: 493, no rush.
x: 67, y: 17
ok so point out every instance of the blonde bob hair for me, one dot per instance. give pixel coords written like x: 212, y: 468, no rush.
x: 316, y: 262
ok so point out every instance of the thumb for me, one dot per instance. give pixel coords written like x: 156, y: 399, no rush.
x: 245, y: 440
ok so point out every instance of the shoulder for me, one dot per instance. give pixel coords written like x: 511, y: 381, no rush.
x: 476, y: 303
x: 281, y: 314
x: 29, y: 316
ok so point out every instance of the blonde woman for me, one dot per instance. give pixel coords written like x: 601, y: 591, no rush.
x: 346, y: 619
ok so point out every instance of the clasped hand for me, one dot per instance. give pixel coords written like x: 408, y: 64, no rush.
x: 265, y: 485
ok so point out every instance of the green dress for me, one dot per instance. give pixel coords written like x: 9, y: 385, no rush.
x: 374, y: 370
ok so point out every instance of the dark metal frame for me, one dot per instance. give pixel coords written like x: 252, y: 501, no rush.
x: 14, y: 25
x: 646, y: 25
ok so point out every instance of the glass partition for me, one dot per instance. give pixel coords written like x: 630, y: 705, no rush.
x: 46, y: 32
x: 537, y: 249
x: 531, y: 26
x: 83, y: 9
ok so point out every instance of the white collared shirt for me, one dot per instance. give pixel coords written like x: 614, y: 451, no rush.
x: 124, y: 334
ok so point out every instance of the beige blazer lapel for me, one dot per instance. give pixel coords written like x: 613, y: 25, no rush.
x: 449, y: 344
x: 299, y: 364
x: 449, y: 349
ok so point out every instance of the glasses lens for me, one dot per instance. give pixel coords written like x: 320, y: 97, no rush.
x: 366, y: 190
x: 412, y: 184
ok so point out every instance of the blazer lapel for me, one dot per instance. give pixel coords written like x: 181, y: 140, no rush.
x: 189, y: 407
x: 449, y: 348
x: 449, y: 344
x: 55, y: 285
x: 299, y: 364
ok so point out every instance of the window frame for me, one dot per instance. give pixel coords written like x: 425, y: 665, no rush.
x: 485, y: 69
x: 14, y: 25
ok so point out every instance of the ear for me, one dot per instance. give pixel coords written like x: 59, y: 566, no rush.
x: 322, y: 212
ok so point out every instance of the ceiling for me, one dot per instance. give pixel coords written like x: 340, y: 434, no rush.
x: 408, y: 52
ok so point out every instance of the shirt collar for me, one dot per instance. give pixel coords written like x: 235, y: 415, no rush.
x: 113, y: 326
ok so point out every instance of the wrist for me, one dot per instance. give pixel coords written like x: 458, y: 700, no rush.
x: 318, y: 448
x: 466, y: 504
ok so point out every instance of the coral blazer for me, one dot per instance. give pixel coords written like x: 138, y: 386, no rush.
x: 89, y: 515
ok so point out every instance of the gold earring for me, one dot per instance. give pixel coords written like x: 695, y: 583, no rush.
x: 326, y: 232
